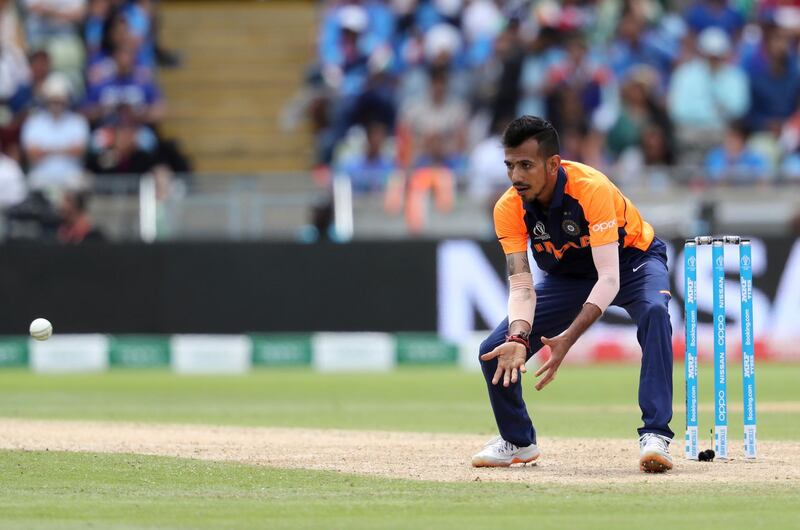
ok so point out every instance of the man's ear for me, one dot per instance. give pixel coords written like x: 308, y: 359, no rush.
x: 553, y: 163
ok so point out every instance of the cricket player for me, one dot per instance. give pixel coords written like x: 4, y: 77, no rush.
x: 597, y: 251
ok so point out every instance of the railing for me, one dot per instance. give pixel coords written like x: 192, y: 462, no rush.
x: 282, y: 206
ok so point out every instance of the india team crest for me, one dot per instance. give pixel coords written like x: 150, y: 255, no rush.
x: 571, y: 227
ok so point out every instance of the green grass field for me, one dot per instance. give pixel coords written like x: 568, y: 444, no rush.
x: 66, y: 490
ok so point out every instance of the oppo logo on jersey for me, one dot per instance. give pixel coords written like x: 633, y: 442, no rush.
x: 550, y: 248
x: 600, y: 227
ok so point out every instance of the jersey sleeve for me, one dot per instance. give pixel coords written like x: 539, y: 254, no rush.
x: 509, y: 224
x: 597, y: 201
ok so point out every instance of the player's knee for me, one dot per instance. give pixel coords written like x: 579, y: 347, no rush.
x: 485, y: 347
x: 655, y: 311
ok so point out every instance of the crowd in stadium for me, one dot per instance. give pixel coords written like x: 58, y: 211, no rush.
x: 635, y: 87
x: 78, y: 97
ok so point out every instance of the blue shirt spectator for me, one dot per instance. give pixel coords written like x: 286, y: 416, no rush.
x: 774, y: 82
x: 125, y: 89
x: 707, y: 92
x: 373, y: 22
x: 714, y: 14
x: 371, y: 171
x: 636, y: 45
x: 734, y: 162
x: 540, y: 57
x: 141, y: 28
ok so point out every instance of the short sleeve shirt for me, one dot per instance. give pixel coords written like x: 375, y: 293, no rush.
x: 587, y: 210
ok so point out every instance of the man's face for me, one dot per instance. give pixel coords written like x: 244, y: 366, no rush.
x: 57, y: 105
x: 528, y: 170
x: 125, y: 60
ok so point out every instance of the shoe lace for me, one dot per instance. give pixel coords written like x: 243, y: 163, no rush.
x: 501, y: 445
x: 651, y: 437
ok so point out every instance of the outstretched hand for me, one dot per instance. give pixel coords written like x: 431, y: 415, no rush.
x: 511, y: 357
x: 559, y: 346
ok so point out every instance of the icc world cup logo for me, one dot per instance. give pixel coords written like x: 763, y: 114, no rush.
x: 720, y: 261
x: 745, y: 262
x: 692, y: 262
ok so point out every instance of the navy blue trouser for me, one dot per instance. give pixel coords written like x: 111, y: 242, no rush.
x: 558, y: 301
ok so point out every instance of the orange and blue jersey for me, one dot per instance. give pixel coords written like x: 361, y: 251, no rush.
x: 587, y: 210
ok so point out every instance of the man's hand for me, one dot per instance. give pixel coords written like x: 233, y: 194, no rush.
x: 511, y: 357
x: 559, y: 346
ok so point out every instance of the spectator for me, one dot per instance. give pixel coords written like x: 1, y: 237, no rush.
x: 437, y: 120
x: 442, y: 49
x: 28, y: 95
x: 707, y: 92
x: 14, y: 71
x: 648, y: 163
x: 734, y: 162
x: 139, y: 16
x: 370, y: 171
x: 486, y: 172
x: 125, y: 89
x: 115, y: 34
x: 98, y: 13
x: 76, y: 225
x: 53, y: 25
x: 434, y: 177
x: 27, y: 98
x: 10, y: 34
x: 638, y: 108
x: 576, y: 86
x: 121, y: 152
x: 774, y: 82
x: 583, y: 144
x: 635, y: 46
x: 541, y: 55
x: 12, y: 182
x: 54, y: 138
x: 345, y: 69
x: 704, y: 14
x: 614, y: 75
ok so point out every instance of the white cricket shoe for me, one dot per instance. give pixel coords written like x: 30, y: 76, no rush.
x: 654, y: 451
x: 500, y: 453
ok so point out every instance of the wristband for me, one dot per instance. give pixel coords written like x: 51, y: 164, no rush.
x: 519, y: 339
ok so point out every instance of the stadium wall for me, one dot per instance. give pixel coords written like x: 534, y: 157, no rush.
x: 453, y: 288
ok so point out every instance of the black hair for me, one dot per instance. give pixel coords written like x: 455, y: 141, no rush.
x: 530, y: 127
x: 107, y: 44
x: 740, y: 128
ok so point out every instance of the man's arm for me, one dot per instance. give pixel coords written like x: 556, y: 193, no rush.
x: 606, y: 260
x: 521, y: 296
x: 512, y: 354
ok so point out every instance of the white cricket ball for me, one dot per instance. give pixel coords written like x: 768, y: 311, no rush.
x: 41, y: 329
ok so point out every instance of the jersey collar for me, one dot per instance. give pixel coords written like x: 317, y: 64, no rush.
x: 558, y: 192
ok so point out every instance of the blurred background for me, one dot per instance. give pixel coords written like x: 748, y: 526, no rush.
x: 233, y: 167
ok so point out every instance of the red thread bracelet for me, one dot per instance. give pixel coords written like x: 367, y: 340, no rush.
x: 519, y: 339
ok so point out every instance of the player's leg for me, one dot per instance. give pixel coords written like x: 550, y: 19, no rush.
x: 558, y: 300
x: 644, y: 293
x: 645, y: 296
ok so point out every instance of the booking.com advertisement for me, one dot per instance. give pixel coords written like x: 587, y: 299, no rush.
x: 472, y: 296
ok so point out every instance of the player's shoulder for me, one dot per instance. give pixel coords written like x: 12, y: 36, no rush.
x: 583, y: 180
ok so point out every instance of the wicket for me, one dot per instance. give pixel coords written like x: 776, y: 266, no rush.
x: 720, y: 352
